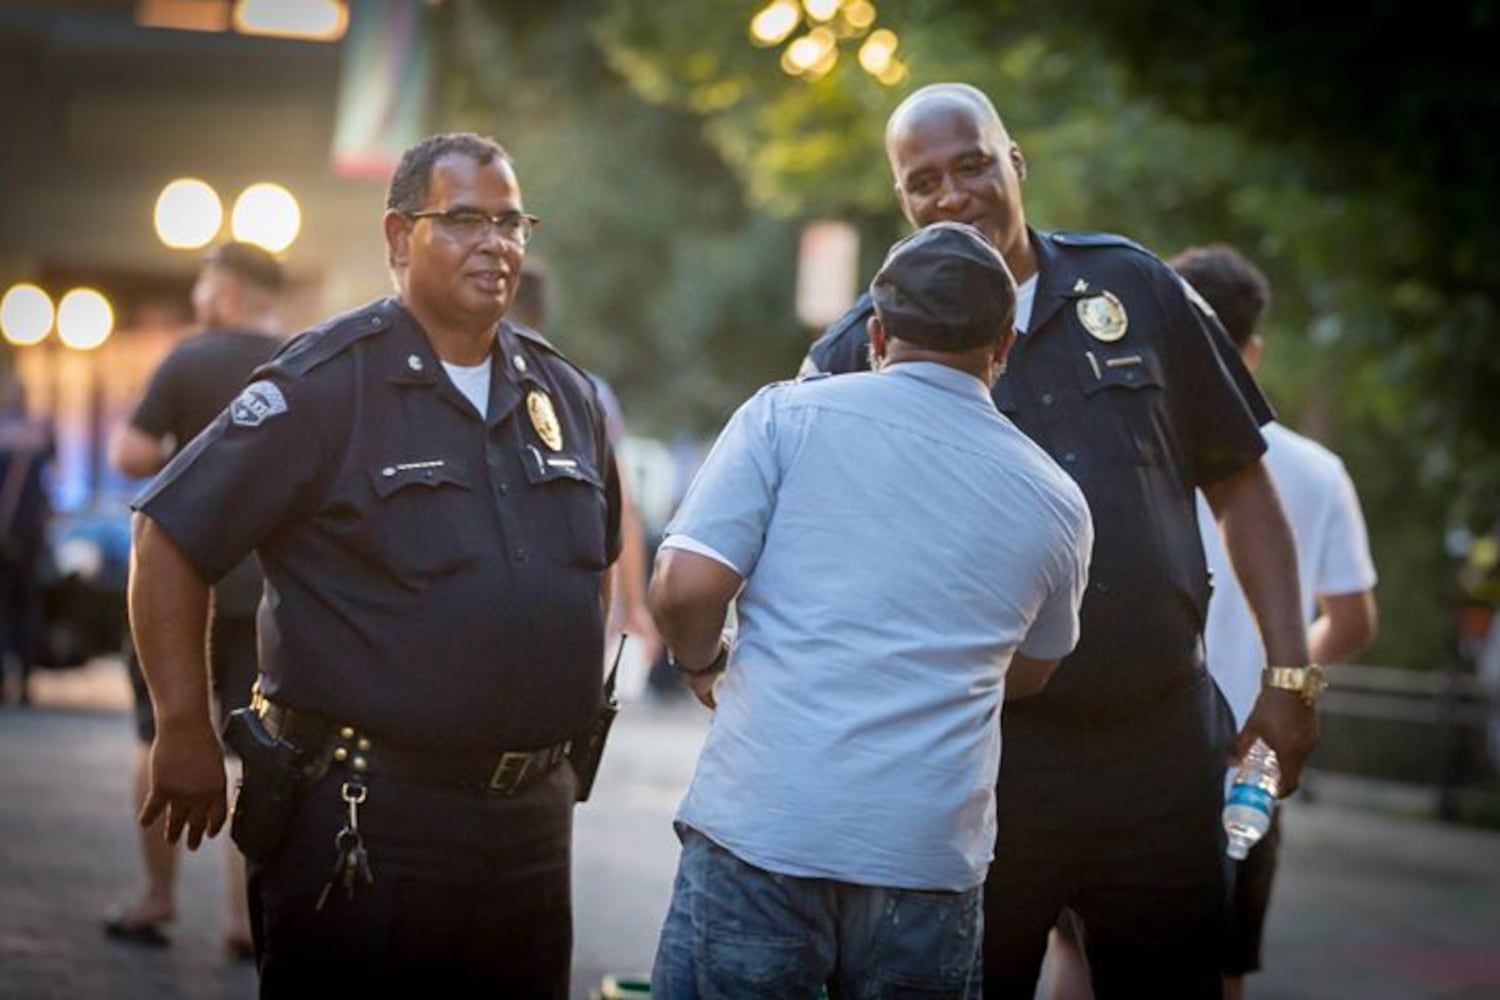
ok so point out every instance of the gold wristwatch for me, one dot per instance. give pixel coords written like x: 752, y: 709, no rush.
x: 1307, y: 681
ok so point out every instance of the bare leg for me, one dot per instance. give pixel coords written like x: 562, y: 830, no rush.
x: 157, y: 903
x: 237, y: 941
x: 1068, y: 967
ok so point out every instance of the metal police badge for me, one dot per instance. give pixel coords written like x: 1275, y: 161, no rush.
x: 257, y: 403
x: 544, y: 419
x: 1103, y: 316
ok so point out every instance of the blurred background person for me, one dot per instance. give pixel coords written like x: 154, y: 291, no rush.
x: 1337, y: 573
x: 235, y: 299
x: 629, y: 614
x: 26, y: 447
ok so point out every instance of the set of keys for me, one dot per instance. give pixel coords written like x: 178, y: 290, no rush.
x: 352, y: 865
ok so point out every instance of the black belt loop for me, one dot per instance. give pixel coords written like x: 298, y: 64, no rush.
x: 502, y: 773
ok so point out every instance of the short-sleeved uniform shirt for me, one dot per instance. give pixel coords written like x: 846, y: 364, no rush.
x: 1139, y: 417
x: 196, y: 380
x: 432, y: 576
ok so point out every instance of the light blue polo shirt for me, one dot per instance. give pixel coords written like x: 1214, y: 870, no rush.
x: 900, y: 539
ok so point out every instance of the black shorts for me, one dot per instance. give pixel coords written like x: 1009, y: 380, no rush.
x: 1249, y: 899
x: 232, y: 665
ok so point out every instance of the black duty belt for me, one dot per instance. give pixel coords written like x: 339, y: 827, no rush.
x: 503, y: 772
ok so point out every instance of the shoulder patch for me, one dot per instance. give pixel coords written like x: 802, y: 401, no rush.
x: 332, y: 337
x: 257, y: 403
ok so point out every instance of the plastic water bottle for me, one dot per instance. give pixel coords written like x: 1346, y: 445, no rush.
x: 1252, y: 799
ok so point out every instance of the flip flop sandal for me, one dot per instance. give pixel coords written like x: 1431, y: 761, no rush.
x: 146, y: 934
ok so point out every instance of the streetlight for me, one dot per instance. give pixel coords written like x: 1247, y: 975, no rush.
x: 188, y: 214
x: 25, y: 315
x: 266, y: 214
x: 85, y: 319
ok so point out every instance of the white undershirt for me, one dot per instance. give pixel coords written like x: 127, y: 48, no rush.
x: 1025, y: 296
x: 474, y: 382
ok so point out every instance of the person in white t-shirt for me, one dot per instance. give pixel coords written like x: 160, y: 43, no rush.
x: 1337, y: 578
x: 1333, y: 556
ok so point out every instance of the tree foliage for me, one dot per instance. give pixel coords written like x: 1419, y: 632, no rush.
x: 1351, y: 165
x: 673, y: 161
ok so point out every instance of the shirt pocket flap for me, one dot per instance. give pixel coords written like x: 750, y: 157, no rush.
x: 395, y: 476
x: 541, y: 468
x: 1131, y: 368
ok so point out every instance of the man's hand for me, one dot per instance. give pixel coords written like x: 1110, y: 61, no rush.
x: 187, y: 783
x: 1288, y: 726
x: 702, y: 686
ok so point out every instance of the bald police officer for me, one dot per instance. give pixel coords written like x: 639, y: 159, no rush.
x: 1110, y: 792
x: 435, y: 505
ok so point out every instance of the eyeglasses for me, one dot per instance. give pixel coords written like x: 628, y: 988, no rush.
x: 471, y: 225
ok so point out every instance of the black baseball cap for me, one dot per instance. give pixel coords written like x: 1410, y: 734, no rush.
x: 945, y: 287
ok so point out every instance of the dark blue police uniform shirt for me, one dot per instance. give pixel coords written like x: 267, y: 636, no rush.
x: 1139, y: 423
x: 431, y: 577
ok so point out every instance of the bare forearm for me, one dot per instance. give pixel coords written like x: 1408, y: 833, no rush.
x: 1260, y: 547
x: 690, y: 596
x: 1027, y: 676
x: 1345, y: 629
x: 138, y: 454
x: 169, y: 619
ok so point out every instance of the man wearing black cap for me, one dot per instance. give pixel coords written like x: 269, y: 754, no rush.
x: 842, y: 814
x: 236, y: 298
x: 1110, y: 796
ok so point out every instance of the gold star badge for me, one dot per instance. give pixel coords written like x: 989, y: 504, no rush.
x: 544, y: 419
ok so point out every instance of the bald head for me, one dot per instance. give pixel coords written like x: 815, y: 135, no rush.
x: 945, y: 98
x: 953, y: 161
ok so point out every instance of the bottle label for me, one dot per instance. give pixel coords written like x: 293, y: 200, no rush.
x: 1251, y: 797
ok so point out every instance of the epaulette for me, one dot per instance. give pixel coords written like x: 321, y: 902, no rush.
x: 1098, y: 240
x: 529, y: 335
x: 841, y: 346
x: 812, y: 376
x: 332, y: 337
x: 855, y: 315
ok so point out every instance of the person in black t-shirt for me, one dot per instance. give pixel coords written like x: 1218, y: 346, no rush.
x: 235, y: 298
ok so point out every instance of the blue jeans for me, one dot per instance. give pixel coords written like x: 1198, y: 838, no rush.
x: 738, y: 931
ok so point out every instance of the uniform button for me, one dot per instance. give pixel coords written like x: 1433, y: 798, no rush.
x: 520, y: 554
x: 388, y: 472
x: 503, y: 488
x: 426, y: 473
x: 1047, y: 399
x: 1069, y: 457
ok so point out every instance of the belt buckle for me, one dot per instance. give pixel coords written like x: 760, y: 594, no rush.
x: 508, y: 773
